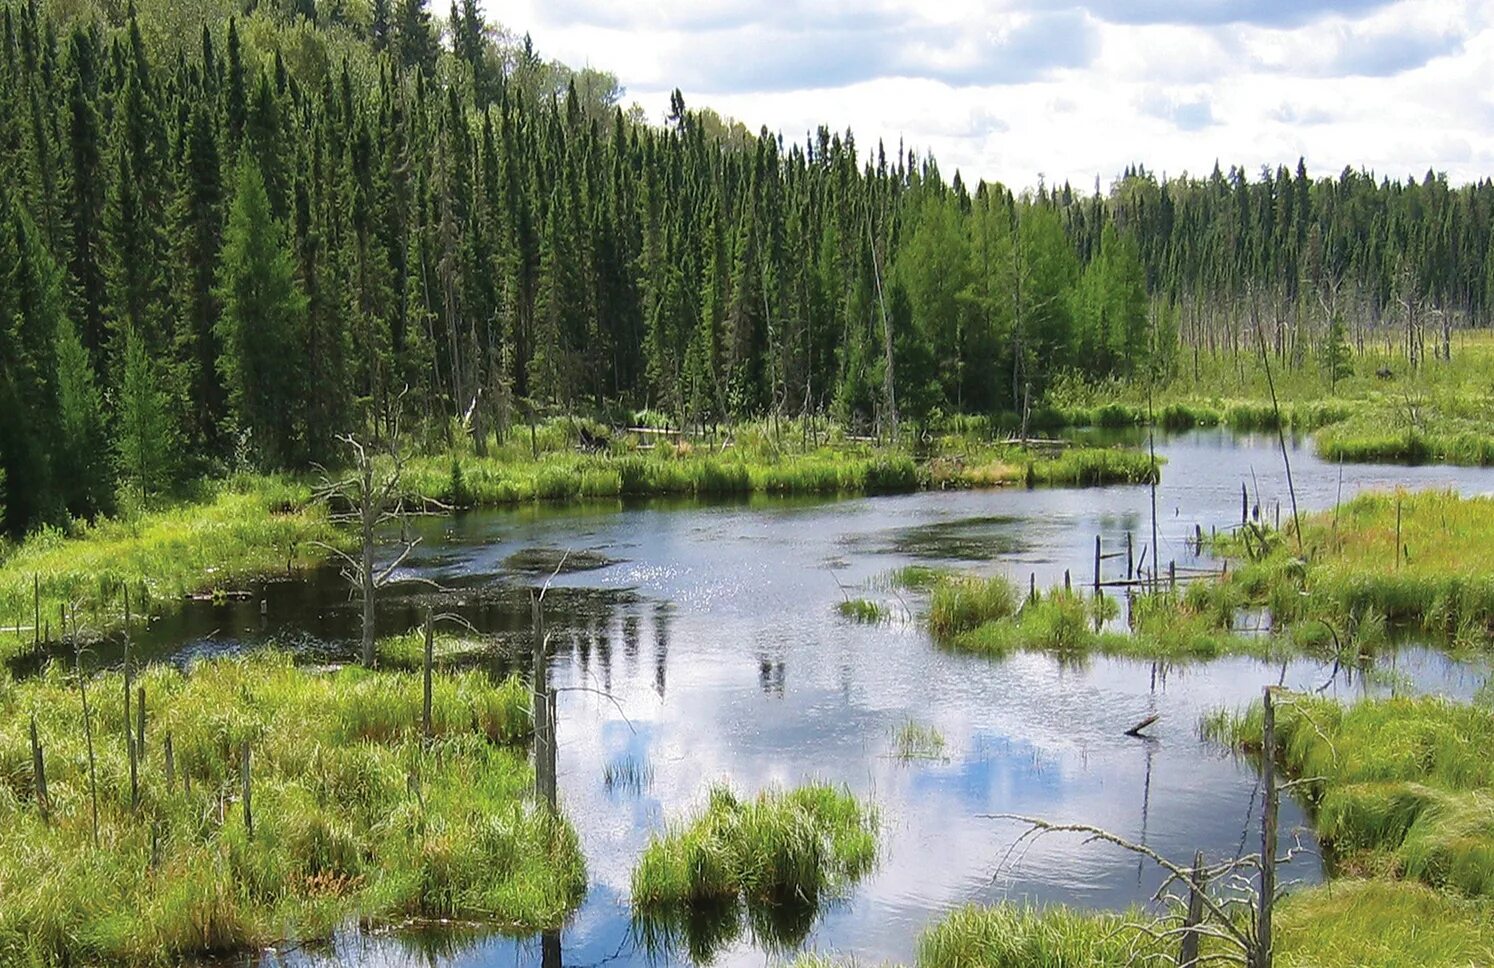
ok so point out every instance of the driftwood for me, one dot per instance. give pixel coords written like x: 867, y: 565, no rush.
x: 1136, y: 730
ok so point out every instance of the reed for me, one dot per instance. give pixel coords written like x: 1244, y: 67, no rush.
x: 917, y: 741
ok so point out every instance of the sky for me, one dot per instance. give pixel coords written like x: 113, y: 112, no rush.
x: 1027, y: 90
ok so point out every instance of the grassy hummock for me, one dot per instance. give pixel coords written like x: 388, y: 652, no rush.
x: 803, y: 844
x: 353, y: 813
x: 1402, y: 787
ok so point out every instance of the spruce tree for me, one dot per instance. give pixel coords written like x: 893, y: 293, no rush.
x: 262, y: 325
x: 415, y: 37
x: 84, y: 471
x: 145, y: 431
x: 32, y: 306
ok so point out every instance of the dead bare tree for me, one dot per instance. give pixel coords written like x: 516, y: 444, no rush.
x: 369, y: 496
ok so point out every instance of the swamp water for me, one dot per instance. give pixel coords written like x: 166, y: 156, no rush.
x: 715, y: 629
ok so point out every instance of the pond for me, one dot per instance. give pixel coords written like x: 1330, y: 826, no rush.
x: 714, y: 629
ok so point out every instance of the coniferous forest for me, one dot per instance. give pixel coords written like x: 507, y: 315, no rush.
x: 234, y: 229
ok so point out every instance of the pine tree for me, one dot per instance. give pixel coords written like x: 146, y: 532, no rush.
x: 145, y: 434
x: 1334, y: 357
x: 262, y: 325
x: 197, y: 227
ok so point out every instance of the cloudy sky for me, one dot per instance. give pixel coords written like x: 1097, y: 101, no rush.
x: 1021, y: 89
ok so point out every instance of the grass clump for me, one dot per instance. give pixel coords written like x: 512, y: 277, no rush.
x: 355, y: 814
x: 863, y: 610
x: 1009, y: 936
x: 245, y: 528
x: 960, y: 604
x: 803, y: 844
x: 406, y: 651
x: 917, y: 741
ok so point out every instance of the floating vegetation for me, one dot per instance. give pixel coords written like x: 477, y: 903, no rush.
x: 354, y: 812
x: 917, y: 741
x: 549, y: 561
x: 863, y: 610
x: 628, y: 774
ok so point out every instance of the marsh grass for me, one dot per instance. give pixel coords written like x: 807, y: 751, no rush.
x: 244, y: 528
x: 1403, y: 786
x: 863, y: 610
x: 917, y: 741
x: 807, y: 843
x: 1440, y: 577
x: 1009, y: 936
x: 985, y: 616
x: 406, y: 651
x: 354, y: 815
x: 962, y: 603
x: 1343, y: 924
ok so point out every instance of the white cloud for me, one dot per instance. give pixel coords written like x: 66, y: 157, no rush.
x: 1069, y: 89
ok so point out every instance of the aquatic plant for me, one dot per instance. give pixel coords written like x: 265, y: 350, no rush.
x: 628, y: 774
x: 354, y: 811
x: 805, y: 843
x: 960, y: 604
x: 917, y: 741
x: 862, y: 610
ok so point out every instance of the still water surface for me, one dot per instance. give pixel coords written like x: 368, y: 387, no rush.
x: 714, y: 627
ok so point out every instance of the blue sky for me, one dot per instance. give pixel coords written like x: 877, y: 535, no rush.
x: 1023, y: 89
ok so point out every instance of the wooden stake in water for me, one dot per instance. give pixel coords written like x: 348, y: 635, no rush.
x: 248, y: 803
x: 544, y: 731
x: 1268, y: 833
x: 1097, y: 563
x: 39, y: 772
x: 1188, y: 956
x: 93, y: 781
x: 430, y: 642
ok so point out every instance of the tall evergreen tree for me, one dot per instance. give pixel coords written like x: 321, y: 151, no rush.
x: 262, y: 325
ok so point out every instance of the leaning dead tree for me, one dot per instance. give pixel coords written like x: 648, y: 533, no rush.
x: 1228, y: 904
x: 369, y: 497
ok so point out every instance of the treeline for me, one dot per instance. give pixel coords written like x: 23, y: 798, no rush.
x: 229, y: 231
